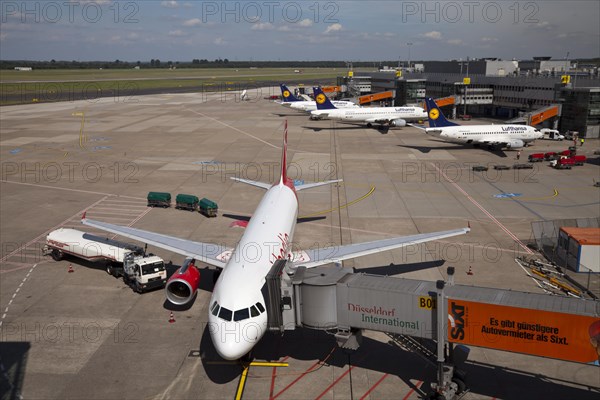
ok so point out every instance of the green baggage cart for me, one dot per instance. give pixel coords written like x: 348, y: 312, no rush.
x: 159, y: 199
x: 208, y: 208
x: 186, y: 202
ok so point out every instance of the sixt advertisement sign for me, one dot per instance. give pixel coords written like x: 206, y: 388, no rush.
x: 541, y: 333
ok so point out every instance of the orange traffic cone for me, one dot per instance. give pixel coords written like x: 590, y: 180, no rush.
x: 470, y: 271
x: 171, y: 318
x: 70, y: 269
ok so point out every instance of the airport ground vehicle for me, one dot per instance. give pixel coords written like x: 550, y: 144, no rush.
x: 563, y: 163
x: 208, y: 208
x: 578, y: 160
x: 186, y: 202
x: 551, y: 155
x: 536, y: 157
x: 522, y: 166
x: 552, y: 134
x: 140, y: 271
x: 159, y: 199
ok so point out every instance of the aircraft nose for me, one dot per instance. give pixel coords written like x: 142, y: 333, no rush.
x: 233, y: 340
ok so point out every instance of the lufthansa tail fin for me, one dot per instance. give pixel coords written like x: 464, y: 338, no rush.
x: 322, y: 100
x: 287, y: 95
x: 435, y: 116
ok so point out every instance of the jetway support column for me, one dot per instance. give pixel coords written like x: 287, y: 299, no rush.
x: 447, y: 385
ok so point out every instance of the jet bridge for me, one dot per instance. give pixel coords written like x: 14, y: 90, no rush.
x: 343, y: 302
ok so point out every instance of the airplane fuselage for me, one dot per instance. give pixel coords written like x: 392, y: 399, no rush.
x: 309, y: 106
x: 485, y: 133
x: 239, y: 322
x: 373, y: 114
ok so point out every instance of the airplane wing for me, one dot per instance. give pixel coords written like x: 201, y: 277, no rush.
x: 380, y: 120
x: 326, y: 255
x: 418, y: 126
x: 315, y: 184
x: 209, y: 253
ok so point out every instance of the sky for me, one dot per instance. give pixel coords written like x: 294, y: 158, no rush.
x: 176, y: 30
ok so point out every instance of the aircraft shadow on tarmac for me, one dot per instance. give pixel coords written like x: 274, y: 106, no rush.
x: 381, y: 129
x: 395, y: 269
x: 427, y: 149
x: 14, y: 356
x: 387, y: 357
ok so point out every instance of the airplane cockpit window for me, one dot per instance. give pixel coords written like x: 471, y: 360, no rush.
x: 225, y: 314
x: 260, y: 307
x: 254, y: 311
x: 215, y: 310
x: 241, y: 315
x: 214, y: 304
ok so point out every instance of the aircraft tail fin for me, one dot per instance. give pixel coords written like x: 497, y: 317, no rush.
x: 435, y: 116
x: 322, y: 100
x: 286, y: 94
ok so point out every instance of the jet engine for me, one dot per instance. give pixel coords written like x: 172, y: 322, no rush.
x: 182, y: 285
x: 398, y: 122
x: 515, y: 144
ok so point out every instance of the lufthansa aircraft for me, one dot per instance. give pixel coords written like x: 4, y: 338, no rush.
x: 237, y: 312
x: 494, y: 136
x: 289, y: 100
x: 391, y: 116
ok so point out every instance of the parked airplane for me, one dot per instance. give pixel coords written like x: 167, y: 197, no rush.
x: 237, y: 312
x: 495, y: 136
x: 390, y: 116
x: 289, y: 100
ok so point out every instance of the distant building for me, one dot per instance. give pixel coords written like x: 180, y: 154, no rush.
x: 23, y: 69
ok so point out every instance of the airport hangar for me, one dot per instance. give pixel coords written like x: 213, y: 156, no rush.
x: 86, y: 330
x: 529, y: 92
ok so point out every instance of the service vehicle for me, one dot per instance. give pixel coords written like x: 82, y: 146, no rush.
x: 536, y: 157
x: 551, y: 134
x: 159, y: 199
x: 140, y: 271
x: 562, y: 163
x: 578, y: 160
x: 208, y: 208
x: 186, y: 202
x: 551, y: 155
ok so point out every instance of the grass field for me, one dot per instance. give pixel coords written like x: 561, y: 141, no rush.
x: 19, y: 87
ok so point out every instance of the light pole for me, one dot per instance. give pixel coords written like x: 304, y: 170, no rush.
x: 409, y: 44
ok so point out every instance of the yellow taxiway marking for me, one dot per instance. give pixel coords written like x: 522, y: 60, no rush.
x: 370, y: 192
x: 82, y: 137
x: 244, y: 376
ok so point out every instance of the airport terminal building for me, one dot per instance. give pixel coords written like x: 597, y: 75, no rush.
x: 544, y: 92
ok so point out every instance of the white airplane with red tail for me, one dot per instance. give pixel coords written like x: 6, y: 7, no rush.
x: 237, y: 313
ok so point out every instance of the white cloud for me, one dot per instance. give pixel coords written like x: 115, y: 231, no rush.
x: 192, y: 22
x: 543, y: 26
x: 220, y: 41
x: 133, y: 36
x: 333, y: 28
x: 262, y: 26
x: 177, y: 33
x: 305, y: 23
x: 455, y: 41
x: 434, y: 35
x: 486, y: 39
x: 169, y: 4
x: 284, y: 28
